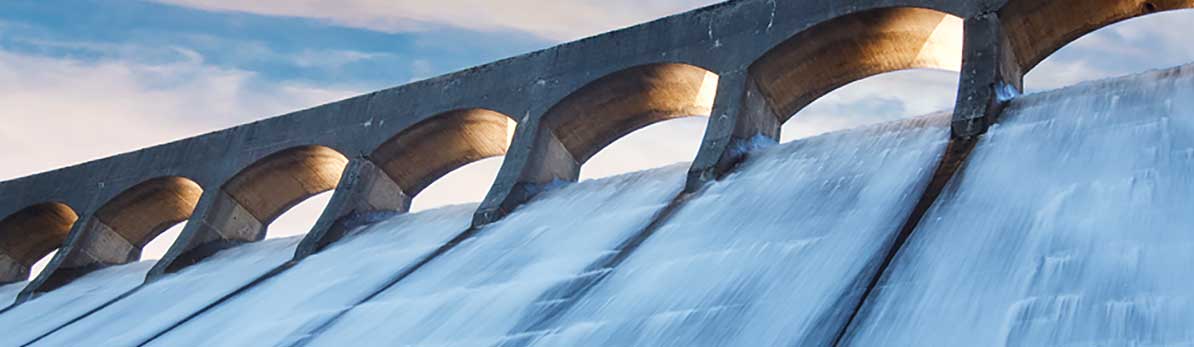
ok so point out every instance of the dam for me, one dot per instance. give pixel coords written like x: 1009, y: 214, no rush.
x: 1053, y: 218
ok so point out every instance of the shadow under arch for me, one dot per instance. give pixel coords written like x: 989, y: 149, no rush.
x: 1036, y: 29
x: 116, y: 233
x: 590, y: 118
x: 243, y: 207
x: 421, y: 154
x: 30, y: 234
x: 601, y: 112
x: 393, y: 174
x: 852, y: 47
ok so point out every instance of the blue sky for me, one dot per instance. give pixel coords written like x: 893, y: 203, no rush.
x: 84, y: 79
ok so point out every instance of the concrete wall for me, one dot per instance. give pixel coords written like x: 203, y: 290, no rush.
x: 748, y: 64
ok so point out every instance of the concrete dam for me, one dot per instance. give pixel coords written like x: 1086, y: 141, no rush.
x: 1047, y: 219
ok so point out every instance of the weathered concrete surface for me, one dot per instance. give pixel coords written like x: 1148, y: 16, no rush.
x: 30, y: 234
x: 769, y: 59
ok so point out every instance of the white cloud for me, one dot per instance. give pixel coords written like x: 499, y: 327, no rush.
x: 1132, y: 46
x: 556, y: 20
x: 60, y: 111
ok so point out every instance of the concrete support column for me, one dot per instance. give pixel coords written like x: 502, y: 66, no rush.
x: 741, y: 117
x: 364, y: 193
x: 536, y: 159
x: 219, y: 222
x: 11, y: 270
x: 96, y: 246
x: 990, y: 76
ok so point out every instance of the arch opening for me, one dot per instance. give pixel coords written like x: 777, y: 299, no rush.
x: 603, y: 111
x: 832, y: 54
x: 31, y: 234
x: 424, y: 153
x: 655, y: 145
x: 157, y: 248
x: 881, y: 98
x: 1038, y: 28
x: 467, y: 184
x: 141, y: 213
x: 275, y: 184
x: 1125, y: 47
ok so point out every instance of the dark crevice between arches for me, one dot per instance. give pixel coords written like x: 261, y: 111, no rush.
x: 952, y: 162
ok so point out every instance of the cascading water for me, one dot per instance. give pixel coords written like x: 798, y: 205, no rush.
x: 127, y: 322
x: 34, y: 318
x: 775, y: 254
x: 1071, y: 225
x: 1066, y: 227
x: 469, y: 296
x: 324, y: 283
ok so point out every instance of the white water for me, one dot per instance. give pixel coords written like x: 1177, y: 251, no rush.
x: 42, y: 314
x: 8, y: 293
x: 128, y: 322
x: 769, y: 256
x: 1072, y: 225
x: 474, y: 294
x: 1069, y: 226
x: 324, y: 283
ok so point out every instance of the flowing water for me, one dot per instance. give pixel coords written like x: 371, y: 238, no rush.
x: 127, y: 322
x: 1069, y: 225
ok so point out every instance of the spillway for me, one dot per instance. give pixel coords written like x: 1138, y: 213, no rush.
x: 1067, y: 225
x: 28, y: 321
x: 127, y: 322
x: 465, y: 296
x: 323, y: 284
x: 1070, y: 226
x: 776, y: 254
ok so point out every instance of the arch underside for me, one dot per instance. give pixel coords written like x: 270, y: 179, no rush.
x: 418, y: 156
x: 835, y: 53
x: 32, y: 233
x: 143, y: 212
x: 274, y: 184
x: 1038, y: 28
x: 603, y: 111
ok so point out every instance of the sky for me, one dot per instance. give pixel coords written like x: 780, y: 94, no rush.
x: 86, y: 79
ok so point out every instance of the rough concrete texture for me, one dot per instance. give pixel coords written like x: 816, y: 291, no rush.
x: 768, y: 59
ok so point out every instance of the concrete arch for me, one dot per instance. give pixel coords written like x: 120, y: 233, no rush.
x: 141, y: 213
x: 272, y: 185
x: 388, y: 179
x: 30, y: 234
x: 241, y: 210
x: 1036, y: 29
x: 852, y: 47
x: 116, y: 232
x: 599, y: 113
x: 555, y: 145
x: 424, y: 152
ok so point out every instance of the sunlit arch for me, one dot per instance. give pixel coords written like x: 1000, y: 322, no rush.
x: 1038, y: 28
x: 607, y: 109
x: 421, y: 154
x: 852, y: 47
x: 29, y: 235
x: 274, y: 184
